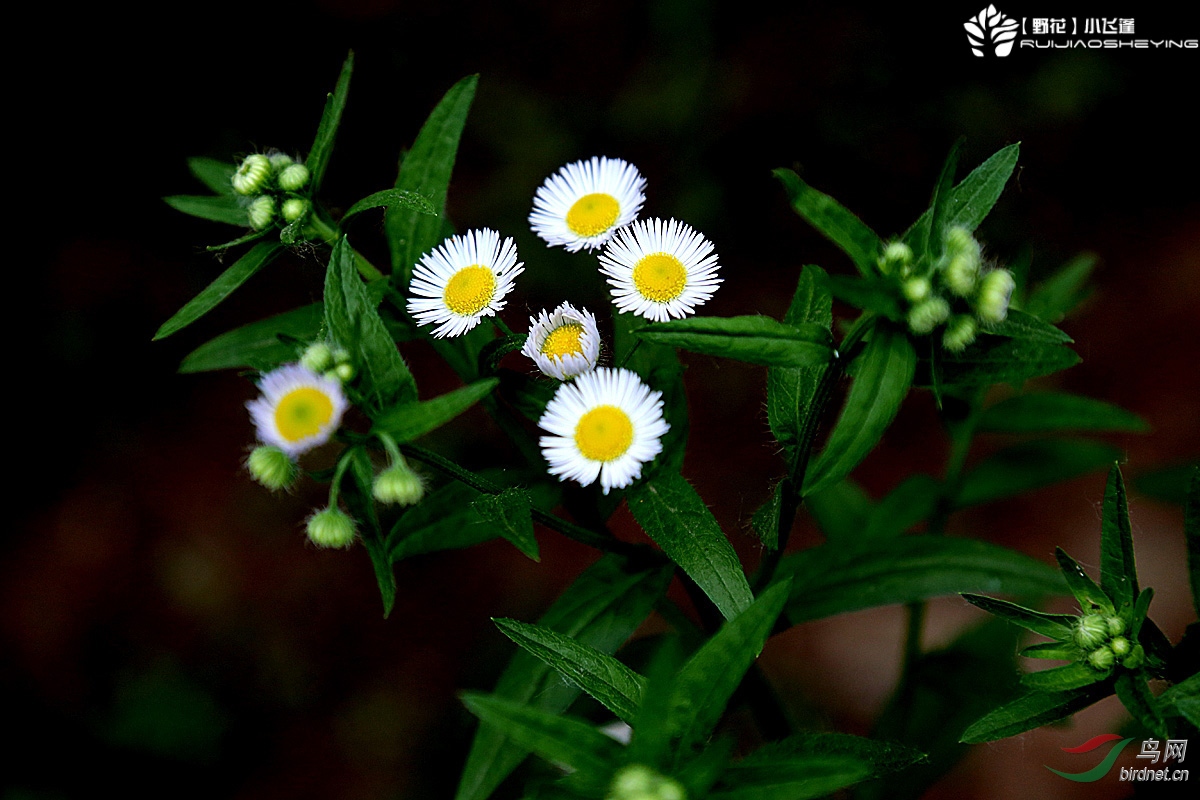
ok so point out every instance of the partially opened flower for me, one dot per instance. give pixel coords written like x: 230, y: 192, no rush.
x: 298, y: 409
x: 462, y: 281
x: 660, y: 269
x: 563, y: 343
x: 582, y: 204
x: 604, y: 424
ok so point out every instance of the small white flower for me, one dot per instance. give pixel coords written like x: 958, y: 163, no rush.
x: 563, y: 343
x: 660, y: 270
x: 462, y: 281
x: 298, y: 409
x: 582, y: 204
x: 604, y: 424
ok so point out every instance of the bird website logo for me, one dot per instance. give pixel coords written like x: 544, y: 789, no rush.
x: 990, y: 31
x: 1174, y: 749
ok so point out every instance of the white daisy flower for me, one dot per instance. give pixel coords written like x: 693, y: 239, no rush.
x: 660, y: 270
x: 604, y: 424
x: 298, y: 409
x: 462, y: 281
x: 583, y: 203
x: 563, y: 343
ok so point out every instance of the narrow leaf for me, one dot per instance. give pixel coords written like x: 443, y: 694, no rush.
x: 252, y: 236
x: 392, y: 198
x: 1135, y: 695
x: 939, y: 207
x: 222, y: 287
x: 216, y: 175
x: 790, y: 390
x: 841, y: 512
x: 413, y: 420
x: 1090, y: 596
x: 510, y: 513
x: 1030, y: 465
x: 1057, y: 651
x: 801, y: 778
x: 674, y: 516
x: 1055, y: 626
x: 753, y: 339
x: 833, y: 221
x: 1056, y: 411
x: 356, y: 490
x: 1059, y: 294
x: 971, y: 200
x: 1118, y: 574
x: 1032, y: 711
x: 996, y: 359
x: 228, y: 210
x: 261, y: 345
x: 335, y: 104
x: 1057, y: 679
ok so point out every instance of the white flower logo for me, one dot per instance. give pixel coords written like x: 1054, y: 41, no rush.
x: 991, y: 26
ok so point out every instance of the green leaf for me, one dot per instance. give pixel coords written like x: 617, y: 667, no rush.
x: 971, y: 200
x: 1057, y: 679
x: 1118, y: 573
x: 1019, y: 325
x: 1135, y: 695
x: 350, y: 315
x: 392, y: 198
x: 361, y: 502
x: 335, y: 104
x: 909, y: 503
x: 997, y: 359
x: 1191, y: 531
x: 615, y: 685
x: 426, y: 171
x: 1032, y: 711
x: 841, y: 511
x: 1090, y: 596
x: 1059, y: 294
x: 1056, y: 411
x: 444, y: 520
x: 879, y: 756
x: 790, y: 390
x: 1027, y: 466
x: 928, y: 241
x: 674, y: 516
x: 659, y: 367
x: 415, y: 419
x: 753, y: 339
x: 832, y: 579
x: 229, y: 280
x: 601, y: 609
x: 1057, y: 651
x: 705, y: 683
x: 510, y: 512
x: 228, y: 210
x: 797, y: 778
x: 558, y: 739
x: 885, y: 371
x: 1182, y: 699
x: 1055, y: 626
x: 833, y: 221
x: 869, y: 294
x: 765, y: 521
x: 252, y: 236
x: 216, y: 175
x: 261, y: 345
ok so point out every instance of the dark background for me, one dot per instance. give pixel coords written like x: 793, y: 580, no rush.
x: 165, y: 626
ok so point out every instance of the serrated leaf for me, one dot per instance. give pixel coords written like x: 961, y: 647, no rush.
x: 1059, y: 294
x: 216, y: 175
x: 973, y: 198
x: 392, y: 198
x: 1141, y: 704
x: 426, y: 171
x: 225, y: 284
x: 753, y: 339
x: 1024, y: 467
x: 510, y: 513
x: 996, y: 359
x: 1032, y: 711
x: 413, y: 420
x: 1090, y: 596
x: 705, y: 683
x: 674, y: 516
x: 228, y: 210
x: 1019, y: 325
x: 1055, y: 626
x: 885, y: 372
x: 1118, y: 573
x: 790, y: 390
x: 615, y: 685
x: 383, y: 377
x: 258, y: 345
x: 833, y: 221
x: 331, y: 118
x: 915, y: 499
x: 1057, y: 679
x: 829, y: 579
x: 1038, y: 412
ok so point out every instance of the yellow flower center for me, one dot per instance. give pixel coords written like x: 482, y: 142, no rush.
x: 565, y: 340
x: 659, y: 277
x: 593, y: 214
x: 604, y: 433
x: 470, y: 290
x: 302, y: 413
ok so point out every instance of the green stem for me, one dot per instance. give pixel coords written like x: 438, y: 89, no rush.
x: 331, y: 234
x: 342, y: 466
x: 502, y: 326
x: 630, y: 352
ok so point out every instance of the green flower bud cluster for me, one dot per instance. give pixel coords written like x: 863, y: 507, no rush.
x: 329, y: 361
x: 955, y: 294
x: 638, y: 782
x: 273, y: 184
x: 1104, y: 644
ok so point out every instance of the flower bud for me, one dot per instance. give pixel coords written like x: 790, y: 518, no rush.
x: 1101, y: 659
x: 252, y: 176
x: 1116, y: 625
x: 927, y: 315
x: 1120, y: 646
x: 958, y: 241
x: 995, y: 291
x: 272, y: 467
x: 318, y: 357
x: 959, y: 333
x: 1091, y: 631
x: 1136, y: 657
x: 896, y: 257
x: 261, y: 212
x: 293, y: 177
x: 399, y: 485
x: 331, y: 527
x: 279, y: 161
x: 916, y: 289
x: 637, y: 782
x: 960, y: 274
x: 345, y: 372
x: 294, y: 208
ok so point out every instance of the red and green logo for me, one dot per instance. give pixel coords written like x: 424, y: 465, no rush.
x: 1100, y: 770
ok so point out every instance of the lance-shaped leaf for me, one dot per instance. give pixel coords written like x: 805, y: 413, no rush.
x: 705, y: 683
x: 1055, y: 651
x: 615, y: 685
x: 1090, y: 596
x: 601, y: 609
x: 1031, y: 465
x: 833, y: 221
x: 426, y: 171
x: 216, y: 175
x: 1032, y: 711
x: 510, y: 514
x: 1056, y: 626
x: 237, y: 274
x: 228, y: 210
x: 1057, y: 679
x: 909, y: 503
x: 412, y: 420
x: 753, y: 339
x: 392, y: 198
x: 1118, y: 573
x: 674, y: 516
x: 797, y: 778
x: 968, y: 203
x: 1019, y: 325
x: 997, y: 359
x: 1135, y: 695
x: 335, y: 104
x: 885, y: 372
x: 927, y: 236
x: 1055, y: 297
x: 830, y: 580
x: 1039, y: 412
x: 841, y: 512
x: 260, y: 345
x: 355, y: 324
